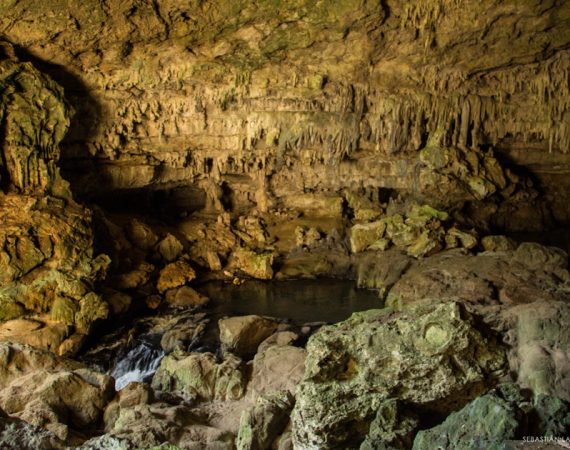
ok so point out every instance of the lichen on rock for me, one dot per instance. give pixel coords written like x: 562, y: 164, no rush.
x: 435, y: 358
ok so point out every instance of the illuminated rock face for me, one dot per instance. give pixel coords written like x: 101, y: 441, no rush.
x: 268, y: 100
x: 47, y: 262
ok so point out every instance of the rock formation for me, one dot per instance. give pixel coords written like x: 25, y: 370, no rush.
x: 148, y: 147
x: 47, y: 257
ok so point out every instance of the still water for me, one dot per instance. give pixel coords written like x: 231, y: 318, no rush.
x: 302, y: 301
x: 298, y: 301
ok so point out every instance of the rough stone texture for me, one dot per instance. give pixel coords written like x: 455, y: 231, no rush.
x: 136, y: 420
x: 436, y: 358
x: 541, y: 341
x: 47, y: 261
x: 256, y: 265
x: 277, y: 368
x: 200, y: 376
x: 175, y: 275
x: 392, y: 428
x: 528, y: 274
x: 494, y: 419
x: 301, y: 97
x: 57, y: 394
x: 488, y: 420
x: 263, y: 422
x: 185, y: 296
x: 18, y: 435
x: 242, y: 335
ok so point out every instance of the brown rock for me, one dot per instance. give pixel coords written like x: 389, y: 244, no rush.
x: 242, y: 335
x: 185, y: 296
x: 47, y: 391
x: 498, y: 243
x: 175, y: 275
x: 170, y: 248
x: 277, y: 368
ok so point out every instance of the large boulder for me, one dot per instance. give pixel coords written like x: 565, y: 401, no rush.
x: 199, y: 376
x: 175, y: 275
x: 16, y: 434
x: 540, y: 341
x: 277, y: 368
x: 494, y: 419
x: 243, y: 334
x: 136, y: 420
x: 264, y: 421
x: 532, y: 272
x: 256, y: 265
x: 433, y: 357
x: 57, y: 394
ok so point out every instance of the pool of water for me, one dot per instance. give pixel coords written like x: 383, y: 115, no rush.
x: 301, y: 301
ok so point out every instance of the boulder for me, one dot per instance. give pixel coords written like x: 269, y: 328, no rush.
x: 354, y: 366
x: 243, y: 334
x: 392, y: 428
x: 277, y: 368
x: 487, y: 421
x: 51, y: 392
x: 498, y: 243
x: 457, y: 238
x: 138, y: 276
x: 280, y: 338
x: 170, y: 248
x: 154, y: 424
x: 256, y: 265
x: 119, y: 302
x: 199, y: 376
x: 264, y: 421
x: 502, y: 415
x: 184, y: 334
x: 541, y: 341
x: 364, y: 235
x: 185, y: 296
x: 141, y: 235
x: 16, y: 434
x: 175, y: 275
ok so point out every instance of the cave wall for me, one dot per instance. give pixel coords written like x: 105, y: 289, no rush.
x: 300, y: 96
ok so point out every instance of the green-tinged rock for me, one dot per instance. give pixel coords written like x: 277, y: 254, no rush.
x: 392, y: 428
x: 10, y: 309
x: 420, y: 213
x: 264, y: 421
x: 63, y: 310
x: 457, y: 238
x: 20, y: 435
x: 200, y: 376
x: 256, y: 265
x: 356, y: 365
x: 427, y: 243
x: 483, y: 424
x: 551, y: 417
x: 362, y: 236
x: 91, y: 308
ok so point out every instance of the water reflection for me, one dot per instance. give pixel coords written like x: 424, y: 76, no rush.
x: 302, y: 301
